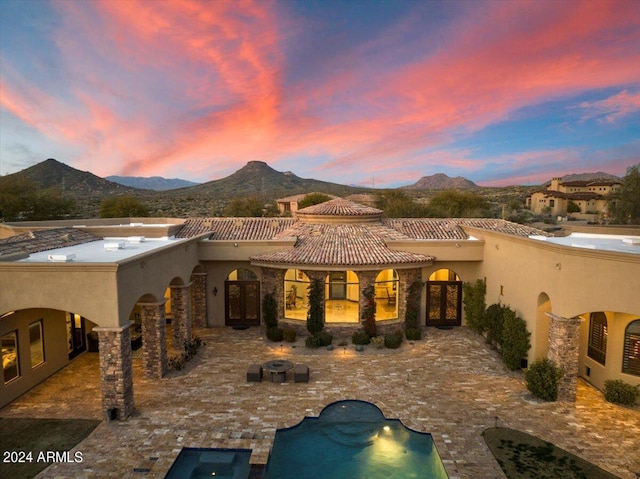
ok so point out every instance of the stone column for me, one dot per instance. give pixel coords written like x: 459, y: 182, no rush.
x: 564, y: 344
x: 365, y: 279
x: 181, y: 309
x: 199, y: 300
x: 273, y: 282
x: 154, y: 339
x: 406, y: 277
x: 116, y: 376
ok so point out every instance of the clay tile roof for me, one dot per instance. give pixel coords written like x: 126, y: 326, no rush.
x: 353, y: 244
x: 235, y: 228
x: 339, y: 207
x: 44, y: 240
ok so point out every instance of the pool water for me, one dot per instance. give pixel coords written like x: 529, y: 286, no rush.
x: 352, y: 439
x: 201, y: 463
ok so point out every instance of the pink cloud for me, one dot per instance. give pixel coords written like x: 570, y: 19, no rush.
x: 612, y: 109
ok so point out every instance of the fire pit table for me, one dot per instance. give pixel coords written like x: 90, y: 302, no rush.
x: 278, y: 369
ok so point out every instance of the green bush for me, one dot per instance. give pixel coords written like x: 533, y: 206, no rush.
x: 378, y: 342
x: 324, y: 337
x: 474, y: 304
x: 413, y: 334
x: 315, y: 314
x: 393, y: 340
x: 542, y: 379
x: 360, y: 337
x: 515, y: 339
x: 275, y: 334
x: 412, y: 314
x: 270, y: 311
x: 619, y: 392
x: 289, y: 335
x: 493, y: 324
x: 368, y: 316
x: 312, y: 342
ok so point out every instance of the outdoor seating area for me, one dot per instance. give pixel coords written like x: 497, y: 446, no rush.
x: 277, y: 371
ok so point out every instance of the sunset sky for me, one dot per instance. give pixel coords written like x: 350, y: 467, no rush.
x: 354, y: 92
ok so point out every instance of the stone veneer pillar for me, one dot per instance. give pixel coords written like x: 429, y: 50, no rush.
x: 273, y: 282
x: 154, y: 342
x: 564, y: 343
x: 181, y: 310
x: 199, y: 300
x: 365, y: 279
x: 406, y: 277
x: 116, y: 375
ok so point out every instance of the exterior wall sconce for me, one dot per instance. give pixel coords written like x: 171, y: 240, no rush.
x: 558, y: 266
x: 215, y: 291
x: 235, y: 245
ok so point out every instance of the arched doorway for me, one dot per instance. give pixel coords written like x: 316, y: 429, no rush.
x: 242, y: 298
x: 444, y: 299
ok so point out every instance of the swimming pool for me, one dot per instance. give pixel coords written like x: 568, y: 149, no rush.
x: 201, y: 463
x: 352, y: 439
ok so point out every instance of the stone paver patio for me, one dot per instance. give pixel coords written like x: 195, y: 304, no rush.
x: 449, y: 384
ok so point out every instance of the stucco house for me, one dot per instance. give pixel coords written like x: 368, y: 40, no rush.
x: 591, y: 198
x: 112, y: 285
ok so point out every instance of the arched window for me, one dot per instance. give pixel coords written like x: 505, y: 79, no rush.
x: 386, y: 287
x: 631, y: 355
x: 598, y: 337
x: 296, y: 294
x: 242, y: 274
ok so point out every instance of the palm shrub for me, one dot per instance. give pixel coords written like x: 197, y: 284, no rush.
x: 368, y: 315
x: 619, y: 392
x: 412, y: 312
x: 315, y: 313
x: 515, y: 339
x: 542, y: 377
x: 474, y: 304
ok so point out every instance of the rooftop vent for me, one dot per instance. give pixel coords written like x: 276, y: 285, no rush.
x: 136, y: 239
x: 631, y: 241
x: 136, y: 224
x: 114, y: 246
x: 61, y: 258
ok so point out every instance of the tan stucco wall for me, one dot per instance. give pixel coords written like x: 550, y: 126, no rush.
x: 55, y: 349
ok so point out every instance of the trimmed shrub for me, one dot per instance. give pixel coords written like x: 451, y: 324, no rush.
x: 493, y: 324
x: 474, y: 304
x: 289, y: 335
x: 360, y: 337
x: 412, y: 314
x: 378, y: 342
x: 315, y: 314
x: 312, y: 342
x: 324, y: 337
x: 275, y: 334
x: 393, y: 340
x: 619, y: 392
x: 369, y: 312
x: 542, y: 379
x: 413, y: 334
x: 515, y: 340
x: 270, y: 311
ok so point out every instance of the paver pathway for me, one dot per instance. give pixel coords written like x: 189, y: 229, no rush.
x: 449, y: 384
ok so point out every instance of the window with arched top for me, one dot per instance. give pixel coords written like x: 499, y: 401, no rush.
x: 386, y: 288
x: 631, y: 355
x: 296, y: 293
x: 598, y: 333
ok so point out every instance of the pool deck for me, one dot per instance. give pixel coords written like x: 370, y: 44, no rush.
x: 449, y: 384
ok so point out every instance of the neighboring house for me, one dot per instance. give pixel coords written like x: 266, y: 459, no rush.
x: 110, y: 285
x: 289, y: 205
x: 588, y: 197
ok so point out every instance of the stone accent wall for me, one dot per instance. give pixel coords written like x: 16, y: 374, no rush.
x: 564, y: 343
x: 154, y: 340
x: 199, y: 300
x: 116, y: 376
x: 406, y: 277
x: 181, y: 310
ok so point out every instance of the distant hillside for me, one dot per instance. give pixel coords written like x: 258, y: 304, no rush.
x: 440, y: 181
x: 600, y: 175
x: 258, y: 178
x: 54, y: 174
x: 156, y: 183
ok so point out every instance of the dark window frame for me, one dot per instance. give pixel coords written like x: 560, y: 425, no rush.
x: 631, y: 349
x: 598, y: 332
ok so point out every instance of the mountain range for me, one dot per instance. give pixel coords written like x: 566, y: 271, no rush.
x: 440, y: 181
x: 156, y: 183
